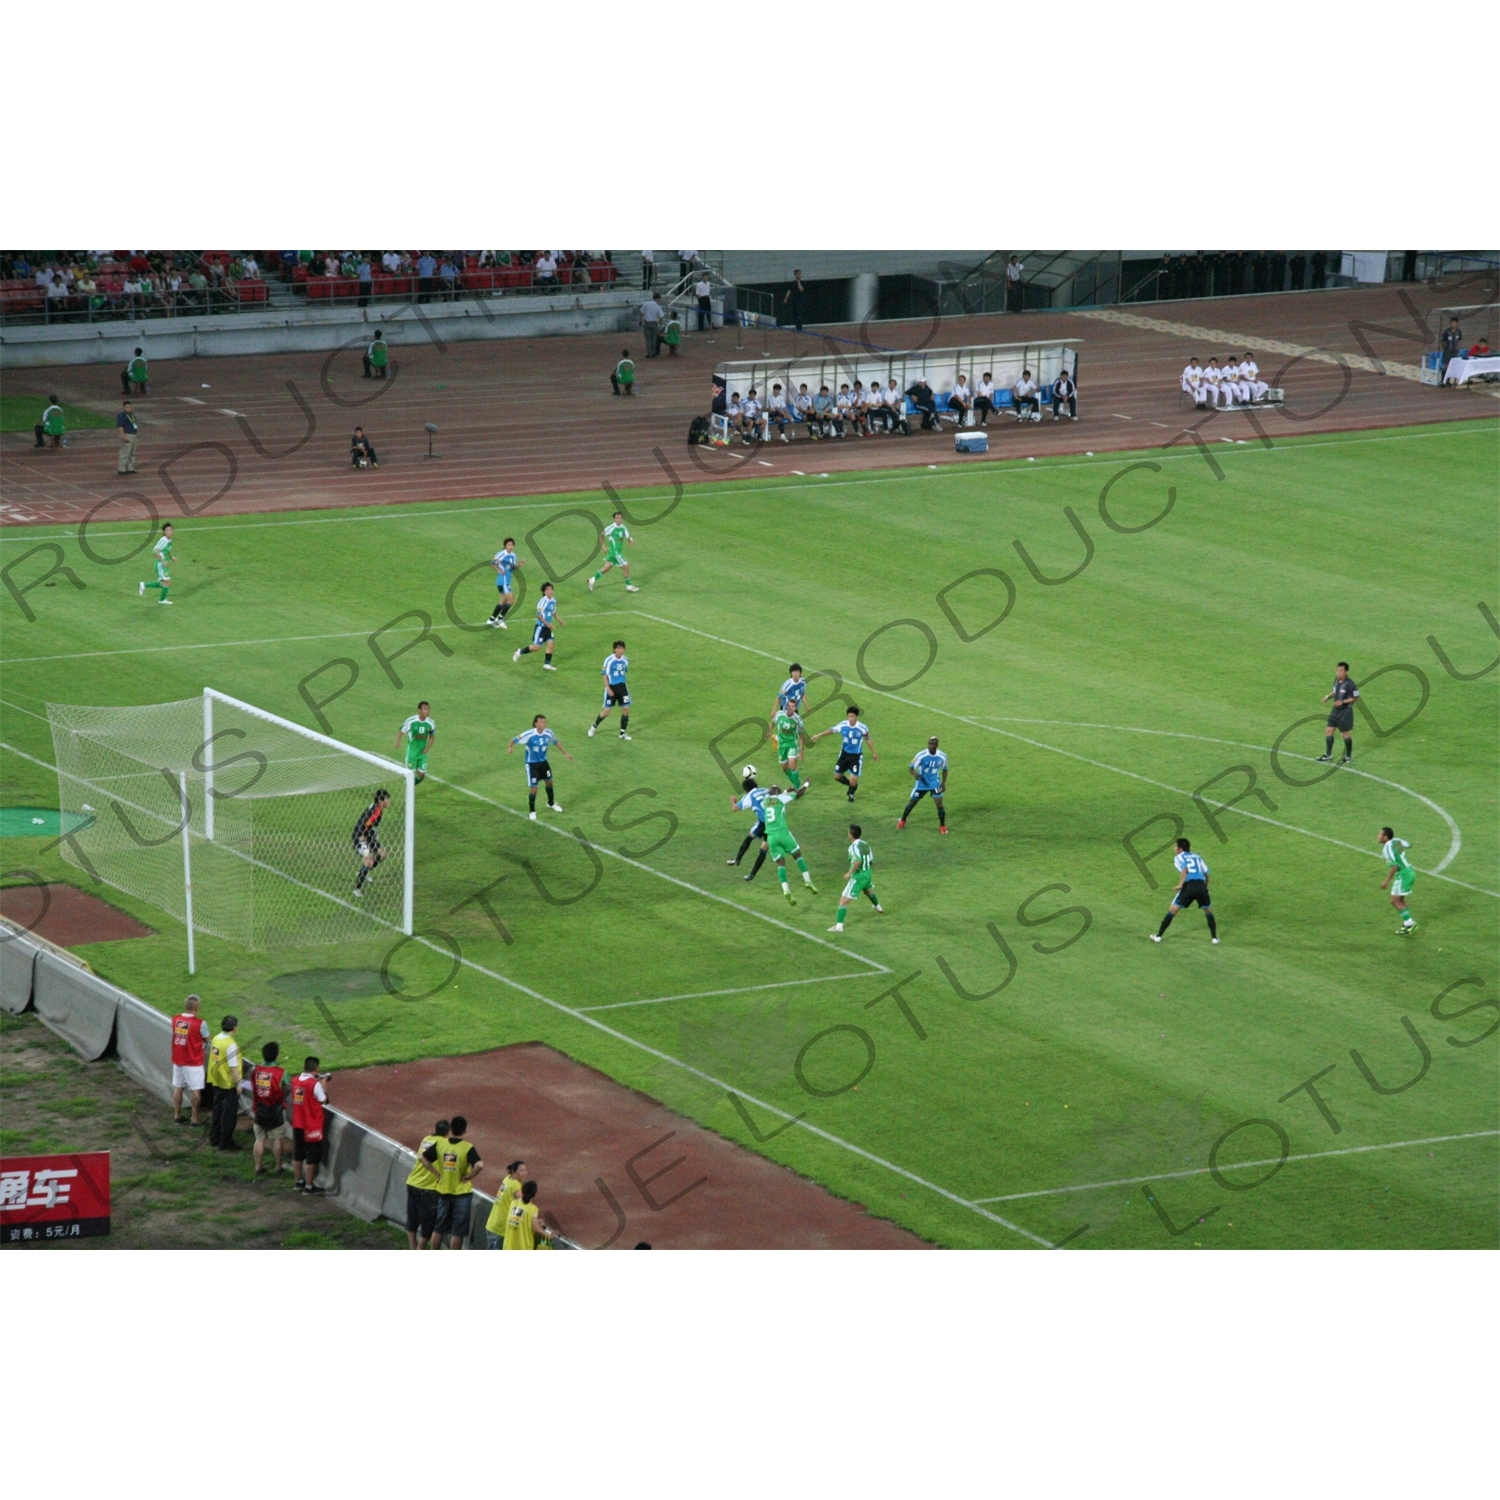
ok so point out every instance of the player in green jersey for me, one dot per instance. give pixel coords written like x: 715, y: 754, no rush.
x: 779, y: 841
x: 786, y: 730
x: 162, y: 552
x: 616, y: 539
x: 419, y: 732
x: 861, y: 873
x: 1400, y: 877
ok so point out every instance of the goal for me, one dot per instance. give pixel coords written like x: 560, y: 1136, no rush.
x: 234, y: 820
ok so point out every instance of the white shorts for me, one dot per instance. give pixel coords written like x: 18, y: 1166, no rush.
x: 187, y: 1078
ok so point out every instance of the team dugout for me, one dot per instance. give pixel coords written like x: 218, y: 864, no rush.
x: 938, y: 368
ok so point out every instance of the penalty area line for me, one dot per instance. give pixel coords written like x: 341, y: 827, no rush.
x: 1274, y: 1161
x: 744, y: 989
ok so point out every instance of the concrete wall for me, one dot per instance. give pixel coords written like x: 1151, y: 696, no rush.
x: 747, y: 266
x: 295, y: 330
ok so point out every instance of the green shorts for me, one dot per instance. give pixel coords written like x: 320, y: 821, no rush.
x: 786, y: 749
x: 614, y: 557
x: 416, y: 759
x: 780, y: 844
x: 1402, y: 884
x: 162, y: 574
x: 858, y: 883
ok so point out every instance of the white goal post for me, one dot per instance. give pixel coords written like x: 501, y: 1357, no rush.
x: 236, y: 821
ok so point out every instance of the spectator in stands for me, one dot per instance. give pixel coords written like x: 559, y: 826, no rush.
x: 581, y: 274
x: 1013, y: 292
x: 671, y: 335
x: 189, y: 1041
x: 130, y: 429
x: 648, y: 270
x: 308, y: 1125
x: 984, y: 399
x: 686, y: 260
x: 377, y: 357
x: 421, y: 1194
x: 1064, y: 393
x: 623, y: 378
x: 652, y: 317
x: 961, y: 399
x: 391, y: 262
x: 448, y: 275
x: 226, y: 1071
x: 794, y: 299
x: 703, y: 291
x: 199, y: 284
x: 136, y: 376
x: 268, y: 1109
x: 1026, y: 398
x: 510, y: 1190
x: 366, y: 280
x: 521, y: 1226
x: 362, y: 451
x: 546, y: 269
x: 52, y: 425
x: 456, y: 1162
x: 426, y: 270
x: 920, y: 395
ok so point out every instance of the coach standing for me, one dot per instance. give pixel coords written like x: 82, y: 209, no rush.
x: 652, y: 317
x: 189, y: 1038
x: 1013, y: 269
x: 225, y: 1070
x: 1453, y: 345
x: 129, y: 431
x: 794, y: 300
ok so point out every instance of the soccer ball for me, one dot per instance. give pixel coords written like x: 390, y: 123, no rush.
x: 748, y: 772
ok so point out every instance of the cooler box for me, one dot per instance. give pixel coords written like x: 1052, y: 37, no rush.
x: 971, y: 442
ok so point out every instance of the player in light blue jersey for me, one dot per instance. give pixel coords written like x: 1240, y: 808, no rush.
x: 793, y: 691
x: 1192, y: 885
x: 505, y: 563
x: 929, y: 771
x: 616, y: 664
x: 752, y: 802
x: 541, y: 635
x: 855, y: 739
x: 538, y: 740
x: 1400, y: 877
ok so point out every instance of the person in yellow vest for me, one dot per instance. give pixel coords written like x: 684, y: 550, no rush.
x: 521, y: 1227
x: 456, y: 1163
x: 510, y: 1190
x: 226, y: 1068
x: 421, y: 1194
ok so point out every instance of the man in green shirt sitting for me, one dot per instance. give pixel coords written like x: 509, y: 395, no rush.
x: 136, y: 376
x: 377, y: 357
x: 51, y: 426
x: 623, y: 379
x: 672, y: 334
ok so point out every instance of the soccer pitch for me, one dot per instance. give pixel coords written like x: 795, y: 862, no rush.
x: 1002, y: 1059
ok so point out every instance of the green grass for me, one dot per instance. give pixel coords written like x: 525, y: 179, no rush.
x: 21, y: 412
x: 1096, y: 705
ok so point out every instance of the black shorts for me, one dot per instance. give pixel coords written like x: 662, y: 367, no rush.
x: 848, y: 763
x: 616, y: 695
x: 759, y: 831
x: 421, y: 1211
x: 453, y: 1213
x: 1192, y: 891
x: 306, y: 1150
x: 538, y: 770
x: 541, y: 635
x: 1342, y: 718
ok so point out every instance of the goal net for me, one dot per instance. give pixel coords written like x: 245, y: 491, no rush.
x: 235, y: 821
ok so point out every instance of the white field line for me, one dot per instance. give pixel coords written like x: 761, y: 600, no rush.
x: 744, y: 989
x: 1456, y: 837
x: 978, y: 723
x: 710, y: 490
x: 1087, y: 1187
x: 708, y: 1078
x: 697, y: 890
x: 280, y: 640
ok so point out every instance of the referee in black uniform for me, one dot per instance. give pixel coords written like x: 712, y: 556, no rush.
x: 1341, y: 716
